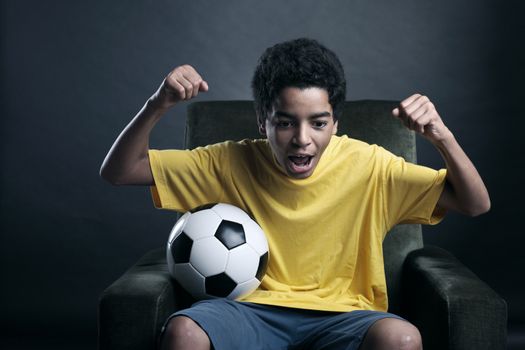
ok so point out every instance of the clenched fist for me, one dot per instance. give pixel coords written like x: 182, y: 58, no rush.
x: 418, y: 113
x: 182, y: 83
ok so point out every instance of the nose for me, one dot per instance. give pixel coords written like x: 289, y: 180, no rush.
x: 302, y: 136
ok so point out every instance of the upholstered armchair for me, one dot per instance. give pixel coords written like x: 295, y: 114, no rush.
x: 450, y: 305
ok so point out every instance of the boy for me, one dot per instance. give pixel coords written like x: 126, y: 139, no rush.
x: 325, y: 203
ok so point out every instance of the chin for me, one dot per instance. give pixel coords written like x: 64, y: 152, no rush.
x: 300, y: 175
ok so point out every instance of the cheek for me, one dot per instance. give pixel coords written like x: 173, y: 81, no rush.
x: 324, y: 139
x: 280, y: 147
x: 323, y: 143
x: 275, y: 144
x: 281, y: 138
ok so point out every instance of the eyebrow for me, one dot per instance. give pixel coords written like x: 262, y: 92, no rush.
x: 311, y: 116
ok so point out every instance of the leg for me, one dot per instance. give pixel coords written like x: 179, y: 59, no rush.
x: 225, y: 324
x: 183, y: 333
x: 360, y: 329
x: 392, y: 333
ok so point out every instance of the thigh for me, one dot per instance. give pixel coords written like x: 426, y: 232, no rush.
x: 234, y: 325
x: 342, y: 330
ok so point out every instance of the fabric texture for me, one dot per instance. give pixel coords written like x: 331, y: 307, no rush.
x: 329, y: 256
x: 210, y: 122
x: 239, y: 325
x: 466, y: 312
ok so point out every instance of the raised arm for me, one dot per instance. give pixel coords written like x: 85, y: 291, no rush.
x: 465, y: 191
x: 127, y: 162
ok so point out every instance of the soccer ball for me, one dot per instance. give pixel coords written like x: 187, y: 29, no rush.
x: 217, y: 251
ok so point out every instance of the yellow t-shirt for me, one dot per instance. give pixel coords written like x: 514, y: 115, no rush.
x: 324, y: 232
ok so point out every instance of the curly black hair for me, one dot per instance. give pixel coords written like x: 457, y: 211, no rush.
x: 300, y: 63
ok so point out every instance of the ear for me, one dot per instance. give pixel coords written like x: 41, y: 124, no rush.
x: 262, y: 127
x: 334, y: 129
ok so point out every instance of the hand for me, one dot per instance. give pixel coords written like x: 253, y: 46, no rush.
x: 420, y: 115
x: 182, y: 83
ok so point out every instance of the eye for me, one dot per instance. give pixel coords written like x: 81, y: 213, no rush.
x: 319, y: 124
x: 284, y: 124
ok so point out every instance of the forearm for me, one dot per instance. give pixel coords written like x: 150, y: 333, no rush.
x: 467, y: 193
x: 130, y: 149
x: 127, y: 162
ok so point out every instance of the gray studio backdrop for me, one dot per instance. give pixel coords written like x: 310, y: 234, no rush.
x: 73, y: 74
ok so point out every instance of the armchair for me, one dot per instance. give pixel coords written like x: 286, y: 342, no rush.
x: 452, y: 308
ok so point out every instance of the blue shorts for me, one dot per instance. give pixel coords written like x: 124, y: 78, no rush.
x: 240, y: 325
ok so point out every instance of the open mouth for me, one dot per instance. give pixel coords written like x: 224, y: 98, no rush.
x: 300, y: 163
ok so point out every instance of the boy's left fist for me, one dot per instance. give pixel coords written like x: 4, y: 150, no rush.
x: 418, y: 113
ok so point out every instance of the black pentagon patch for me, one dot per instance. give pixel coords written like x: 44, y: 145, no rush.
x: 231, y: 234
x: 181, y: 248
x: 202, y: 207
x: 263, y: 264
x: 220, y: 285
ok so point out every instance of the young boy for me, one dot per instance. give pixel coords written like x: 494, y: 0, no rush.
x: 325, y: 203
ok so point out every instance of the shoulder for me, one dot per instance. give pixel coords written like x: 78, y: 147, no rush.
x: 249, y: 146
x: 356, y: 154
x: 349, y: 146
x: 221, y: 147
x: 246, y: 148
x: 237, y: 145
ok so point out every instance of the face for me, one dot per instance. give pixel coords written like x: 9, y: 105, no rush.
x: 299, y: 129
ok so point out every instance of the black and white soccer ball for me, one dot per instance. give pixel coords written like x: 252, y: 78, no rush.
x: 217, y: 251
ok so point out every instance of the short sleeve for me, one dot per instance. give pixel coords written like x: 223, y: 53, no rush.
x: 411, y: 192
x: 185, y: 179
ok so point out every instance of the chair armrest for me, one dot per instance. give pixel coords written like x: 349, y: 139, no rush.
x: 450, y: 305
x: 134, y: 308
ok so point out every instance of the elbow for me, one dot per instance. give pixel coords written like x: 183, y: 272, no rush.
x: 137, y: 173
x: 108, y: 176
x: 478, y: 209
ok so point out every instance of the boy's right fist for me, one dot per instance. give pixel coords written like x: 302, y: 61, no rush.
x: 182, y: 83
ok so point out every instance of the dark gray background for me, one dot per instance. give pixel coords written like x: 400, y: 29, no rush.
x: 73, y: 74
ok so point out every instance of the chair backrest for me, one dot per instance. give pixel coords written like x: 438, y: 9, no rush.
x: 371, y: 121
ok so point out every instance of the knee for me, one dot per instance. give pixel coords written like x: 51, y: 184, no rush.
x: 406, y: 337
x: 392, y: 333
x: 410, y: 339
x: 183, y: 333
